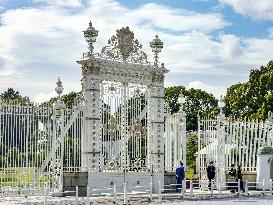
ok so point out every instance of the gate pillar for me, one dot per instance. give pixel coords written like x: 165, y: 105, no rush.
x: 156, y: 127
x: 91, y: 139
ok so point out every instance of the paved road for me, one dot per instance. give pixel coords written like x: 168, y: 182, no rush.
x: 254, y: 201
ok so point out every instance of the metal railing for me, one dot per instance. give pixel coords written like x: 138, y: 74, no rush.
x: 187, y: 189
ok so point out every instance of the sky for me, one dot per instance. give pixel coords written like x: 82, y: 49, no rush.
x: 208, y: 44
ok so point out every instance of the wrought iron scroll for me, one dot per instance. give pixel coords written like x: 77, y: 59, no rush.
x: 124, y: 47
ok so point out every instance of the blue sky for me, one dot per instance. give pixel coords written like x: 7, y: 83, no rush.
x: 208, y: 44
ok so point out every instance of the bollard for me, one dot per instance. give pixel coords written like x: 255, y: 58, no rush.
x: 239, y: 187
x: 211, y: 188
x: 246, y: 187
x: 151, y: 190
x: 159, y: 191
x: 220, y: 188
x: 53, y: 185
x: 263, y: 188
x: 77, y: 195
x: 87, y: 196
x: 270, y: 187
x: 46, y: 189
x: 125, y: 194
x: 115, y: 194
x: 191, y: 189
x: 182, y: 189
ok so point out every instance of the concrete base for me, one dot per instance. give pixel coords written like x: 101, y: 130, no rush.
x: 102, y: 180
x: 73, y: 179
x: 169, y: 178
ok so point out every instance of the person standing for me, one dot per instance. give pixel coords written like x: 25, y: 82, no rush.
x: 232, y: 173
x: 239, y: 176
x: 210, y: 173
x: 180, y: 176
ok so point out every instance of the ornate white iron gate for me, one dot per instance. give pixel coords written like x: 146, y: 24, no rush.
x: 124, y: 122
x: 124, y: 96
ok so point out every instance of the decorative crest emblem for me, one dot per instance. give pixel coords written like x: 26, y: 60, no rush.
x: 123, y: 46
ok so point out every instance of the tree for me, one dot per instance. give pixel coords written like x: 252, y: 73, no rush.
x: 11, y: 95
x: 197, y: 101
x: 252, y: 99
x: 192, y: 149
x: 68, y: 99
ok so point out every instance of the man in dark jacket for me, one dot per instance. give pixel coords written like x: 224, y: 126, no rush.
x: 210, y: 173
x: 239, y: 176
x: 232, y: 173
x: 180, y: 176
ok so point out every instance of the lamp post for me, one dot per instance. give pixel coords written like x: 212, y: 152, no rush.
x: 221, y: 105
x: 59, y: 88
x: 57, y: 165
x: 156, y: 46
x: 181, y: 100
x: 90, y: 34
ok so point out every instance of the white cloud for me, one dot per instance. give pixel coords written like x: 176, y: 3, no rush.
x: 66, y: 3
x: 39, y: 44
x: 216, y: 90
x: 256, y: 9
x: 159, y: 16
x: 42, y: 97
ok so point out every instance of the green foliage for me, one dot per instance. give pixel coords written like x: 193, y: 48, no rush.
x: 252, y: 99
x: 192, y: 149
x: 197, y: 101
x: 11, y: 95
x: 68, y: 99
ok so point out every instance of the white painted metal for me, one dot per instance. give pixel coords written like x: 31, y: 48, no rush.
x: 175, y: 139
x: 118, y: 125
x: 229, y: 141
x: 36, y: 143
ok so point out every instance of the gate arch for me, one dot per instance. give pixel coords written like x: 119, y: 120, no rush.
x: 124, y: 99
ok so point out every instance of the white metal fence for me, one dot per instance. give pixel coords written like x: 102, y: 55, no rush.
x: 237, y: 140
x: 36, y: 144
